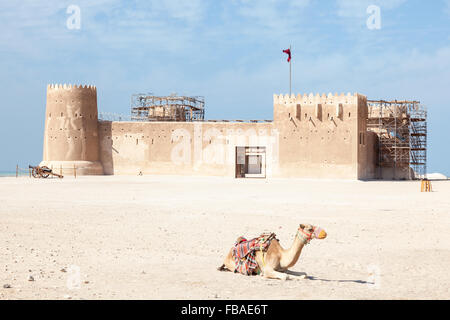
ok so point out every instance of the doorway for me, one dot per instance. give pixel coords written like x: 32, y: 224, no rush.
x: 250, y: 162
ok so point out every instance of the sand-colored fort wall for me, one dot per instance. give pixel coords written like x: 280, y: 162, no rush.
x: 182, y: 148
x: 324, y: 136
x: 312, y: 136
x: 71, y: 129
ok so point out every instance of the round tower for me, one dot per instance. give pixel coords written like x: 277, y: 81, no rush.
x: 71, y: 130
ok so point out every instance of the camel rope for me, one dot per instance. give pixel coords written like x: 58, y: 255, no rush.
x: 305, y: 237
x: 262, y: 254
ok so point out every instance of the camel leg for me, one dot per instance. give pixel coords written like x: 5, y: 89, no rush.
x: 296, y: 275
x: 228, y: 263
x: 272, y: 274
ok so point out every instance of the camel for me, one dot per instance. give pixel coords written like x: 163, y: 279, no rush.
x: 275, y: 261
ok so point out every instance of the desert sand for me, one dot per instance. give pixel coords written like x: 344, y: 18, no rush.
x: 162, y: 237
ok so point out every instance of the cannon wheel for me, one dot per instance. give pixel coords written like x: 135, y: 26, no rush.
x: 43, y: 173
x: 35, y: 173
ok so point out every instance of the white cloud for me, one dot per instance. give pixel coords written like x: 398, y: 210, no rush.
x: 357, y: 8
x: 277, y: 16
x: 167, y: 24
x: 32, y: 26
x: 269, y: 9
x: 447, y: 6
x: 191, y: 11
x: 32, y: 12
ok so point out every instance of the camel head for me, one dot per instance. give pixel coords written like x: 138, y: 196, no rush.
x: 309, y: 232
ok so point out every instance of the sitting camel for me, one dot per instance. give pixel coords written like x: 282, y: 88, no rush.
x: 274, y: 261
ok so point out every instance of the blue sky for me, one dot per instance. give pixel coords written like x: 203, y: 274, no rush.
x: 229, y: 51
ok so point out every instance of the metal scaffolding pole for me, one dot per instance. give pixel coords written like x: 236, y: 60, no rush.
x: 401, y: 127
x: 147, y: 107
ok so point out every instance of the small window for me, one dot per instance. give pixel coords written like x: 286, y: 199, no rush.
x: 362, y: 139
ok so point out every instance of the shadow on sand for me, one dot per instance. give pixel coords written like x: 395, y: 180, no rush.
x: 312, y: 278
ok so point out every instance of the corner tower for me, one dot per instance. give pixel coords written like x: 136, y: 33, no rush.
x: 71, y: 129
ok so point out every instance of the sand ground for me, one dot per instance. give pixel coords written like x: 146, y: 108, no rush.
x: 162, y: 237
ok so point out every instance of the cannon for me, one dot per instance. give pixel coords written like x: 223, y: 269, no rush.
x: 43, y: 172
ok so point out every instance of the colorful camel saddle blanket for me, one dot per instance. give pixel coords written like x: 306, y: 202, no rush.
x: 244, y: 252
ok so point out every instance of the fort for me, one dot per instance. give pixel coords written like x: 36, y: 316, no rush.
x: 343, y: 136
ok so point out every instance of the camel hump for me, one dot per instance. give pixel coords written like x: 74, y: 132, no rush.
x: 267, y: 237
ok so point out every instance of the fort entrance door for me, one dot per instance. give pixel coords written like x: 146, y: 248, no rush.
x: 250, y: 162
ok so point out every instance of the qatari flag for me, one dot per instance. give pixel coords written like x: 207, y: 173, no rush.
x: 288, y: 52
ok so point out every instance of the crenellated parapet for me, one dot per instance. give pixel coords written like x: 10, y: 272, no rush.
x: 317, y: 106
x: 69, y: 86
x: 316, y: 98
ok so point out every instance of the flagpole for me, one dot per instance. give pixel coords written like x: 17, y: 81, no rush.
x: 290, y: 73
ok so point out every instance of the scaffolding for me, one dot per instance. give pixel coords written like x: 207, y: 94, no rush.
x: 401, y: 127
x: 167, y: 108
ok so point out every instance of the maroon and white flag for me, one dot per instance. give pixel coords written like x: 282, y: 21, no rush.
x: 288, y: 52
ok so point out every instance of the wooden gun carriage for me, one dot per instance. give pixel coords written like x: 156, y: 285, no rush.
x: 43, y: 172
